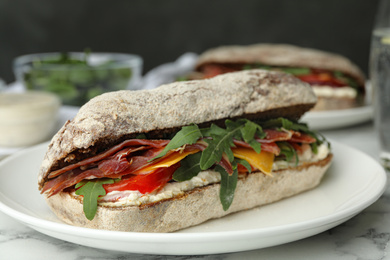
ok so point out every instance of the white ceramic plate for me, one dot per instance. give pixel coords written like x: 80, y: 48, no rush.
x: 323, y: 120
x: 353, y: 182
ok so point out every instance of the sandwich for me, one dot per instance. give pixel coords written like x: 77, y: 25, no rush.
x: 337, y: 82
x: 178, y: 155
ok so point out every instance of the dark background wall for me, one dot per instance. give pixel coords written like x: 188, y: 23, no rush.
x: 160, y: 31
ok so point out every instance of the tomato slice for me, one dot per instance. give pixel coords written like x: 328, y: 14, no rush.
x: 322, y: 79
x: 146, y: 183
x: 242, y: 169
x: 212, y: 70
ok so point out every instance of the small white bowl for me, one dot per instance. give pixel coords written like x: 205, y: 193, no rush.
x: 27, y: 118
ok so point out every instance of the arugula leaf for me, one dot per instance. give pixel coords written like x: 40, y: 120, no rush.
x: 244, y: 163
x: 314, y: 147
x: 213, y: 129
x: 288, y: 151
x: 296, y: 71
x: 249, y: 130
x: 187, y: 135
x: 320, y: 139
x: 189, y: 168
x: 347, y: 79
x: 218, y: 145
x: 213, y: 153
x: 228, y: 186
x: 248, y: 133
x: 91, y: 190
x: 278, y: 123
x: 256, y: 66
x: 222, y: 140
x: 141, y: 136
x: 233, y: 126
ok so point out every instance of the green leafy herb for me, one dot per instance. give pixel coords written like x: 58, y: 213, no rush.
x: 91, y: 190
x: 295, y: 71
x: 228, y: 186
x: 141, y: 136
x: 74, y: 79
x: 256, y: 66
x: 281, y: 122
x: 347, y: 79
x: 214, y: 151
x: 182, y: 78
x: 288, y: 151
x: 213, y: 129
x: 320, y: 140
x: 249, y: 131
x: 187, y: 135
x: 314, y: 147
x: 189, y: 168
x: 221, y: 142
x: 245, y: 164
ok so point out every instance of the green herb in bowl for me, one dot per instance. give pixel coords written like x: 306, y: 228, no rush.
x: 78, y: 77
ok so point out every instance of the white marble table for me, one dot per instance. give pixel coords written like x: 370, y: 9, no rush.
x: 365, y: 236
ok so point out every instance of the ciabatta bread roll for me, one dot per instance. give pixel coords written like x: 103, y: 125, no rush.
x: 336, y: 80
x: 165, y: 159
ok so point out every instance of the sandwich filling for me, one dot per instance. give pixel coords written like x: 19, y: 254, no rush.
x: 335, y: 83
x: 144, y: 170
x: 177, y: 188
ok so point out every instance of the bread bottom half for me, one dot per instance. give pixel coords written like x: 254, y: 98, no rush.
x: 193, y: 207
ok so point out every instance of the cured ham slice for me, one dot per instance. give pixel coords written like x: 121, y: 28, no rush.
x: 113, y: 150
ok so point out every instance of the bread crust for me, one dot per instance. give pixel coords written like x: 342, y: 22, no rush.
x: 112, y: 117
x: 281, y: 55
x: 195, y: 207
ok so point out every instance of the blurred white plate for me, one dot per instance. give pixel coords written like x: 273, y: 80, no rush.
x: 65, y: 113
x: 353, y: 182
x: 323, y: 120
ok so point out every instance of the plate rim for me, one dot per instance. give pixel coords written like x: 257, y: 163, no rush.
x: 336, y: 119
x: 342, y: 112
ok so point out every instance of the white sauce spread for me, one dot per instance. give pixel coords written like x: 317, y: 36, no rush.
x: 327, y: 91
x: 135, y: 198
x: 132, y: 198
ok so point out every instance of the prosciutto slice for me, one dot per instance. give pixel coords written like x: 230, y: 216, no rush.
x: 302, y: 138
x: 271, y: 147
x: 131, y: 142
x: 273, y: 135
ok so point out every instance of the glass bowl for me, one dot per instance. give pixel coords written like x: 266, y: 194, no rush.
x: 76, y: 77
